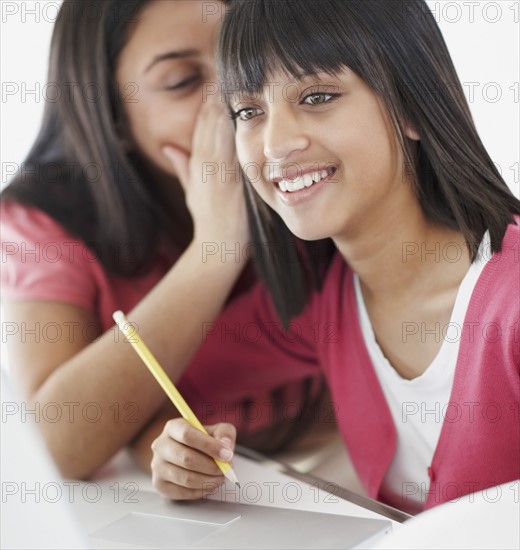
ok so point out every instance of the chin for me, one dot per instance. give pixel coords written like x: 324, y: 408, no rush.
x: 308, y: 233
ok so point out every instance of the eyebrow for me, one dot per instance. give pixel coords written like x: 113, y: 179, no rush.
x: 302, y: 76
x: 179, y: 54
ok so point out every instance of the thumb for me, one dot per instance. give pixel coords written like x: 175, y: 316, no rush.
x: 180, y: 162
x: 225, y: 433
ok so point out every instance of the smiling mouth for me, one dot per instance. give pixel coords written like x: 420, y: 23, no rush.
x: 304, y: 181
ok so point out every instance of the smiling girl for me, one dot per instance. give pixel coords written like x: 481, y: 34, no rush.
x: 375, y: 149
x: 355, y: 120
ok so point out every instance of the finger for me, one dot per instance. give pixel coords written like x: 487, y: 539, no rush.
x: 180, y: 162
x: 186, y: 434
x: 207, y: 133
x: 168, y: 449
x: 225, y: 433
x: 225, y: 142
x: 214, y: 99
x: 203, y: 132
x: 213, y: 142
x: 163, y: 470
x: 175, y: 492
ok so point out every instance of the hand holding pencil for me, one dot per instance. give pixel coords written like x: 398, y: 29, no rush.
x: 188, y: 458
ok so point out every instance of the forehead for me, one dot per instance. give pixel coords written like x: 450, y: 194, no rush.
x: 173, y: 25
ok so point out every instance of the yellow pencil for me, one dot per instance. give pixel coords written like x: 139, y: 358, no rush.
x: 166, y: 384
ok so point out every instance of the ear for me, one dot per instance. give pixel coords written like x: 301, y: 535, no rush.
x: 411, y: 133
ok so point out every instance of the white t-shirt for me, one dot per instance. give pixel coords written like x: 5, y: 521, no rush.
x: 418, y: 406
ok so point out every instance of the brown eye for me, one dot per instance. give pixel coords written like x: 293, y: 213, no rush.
x: 248, y: 113
x: 317, y: 99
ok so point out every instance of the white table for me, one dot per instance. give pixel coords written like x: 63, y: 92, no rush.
x: 124, y: 489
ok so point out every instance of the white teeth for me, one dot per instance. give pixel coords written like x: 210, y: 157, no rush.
x: 308, y: 180
x: 301, y: 182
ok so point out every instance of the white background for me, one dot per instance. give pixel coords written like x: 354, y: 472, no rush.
x: 483, y: 38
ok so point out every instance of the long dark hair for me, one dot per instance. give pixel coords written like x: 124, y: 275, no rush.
x: 397, y: 48
x: 78, y: 170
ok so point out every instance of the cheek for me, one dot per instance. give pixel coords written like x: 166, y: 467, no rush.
x: 155, y: 122
x: 175, y: 125
x: 369, y: 152
x: 250, y: 157
x: 261, y: 189
x: 249, y: 151
x: 243, y: 149
x: 381, y: 150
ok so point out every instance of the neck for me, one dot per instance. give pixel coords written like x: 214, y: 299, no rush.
x: 406, y: 256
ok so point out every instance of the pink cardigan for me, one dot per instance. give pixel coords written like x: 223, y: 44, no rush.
x: 479, y: 445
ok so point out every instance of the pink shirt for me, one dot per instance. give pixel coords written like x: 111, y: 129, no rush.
x: 41, y: 261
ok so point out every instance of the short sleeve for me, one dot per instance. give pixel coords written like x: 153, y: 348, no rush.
x: 41, y: 261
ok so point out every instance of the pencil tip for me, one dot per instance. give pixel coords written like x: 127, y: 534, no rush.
x: 237, y: 484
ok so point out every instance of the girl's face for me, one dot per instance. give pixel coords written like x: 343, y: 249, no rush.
x: 164, y: 70
x: 332, y: 131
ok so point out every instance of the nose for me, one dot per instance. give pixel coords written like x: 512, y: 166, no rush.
x: 283, y: 135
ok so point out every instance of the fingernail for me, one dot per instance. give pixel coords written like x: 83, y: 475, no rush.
x: 227, y: 442
x: 226, y: 454
x: 167, y: 151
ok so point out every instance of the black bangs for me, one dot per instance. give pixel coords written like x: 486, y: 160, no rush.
x: 296, y: 37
